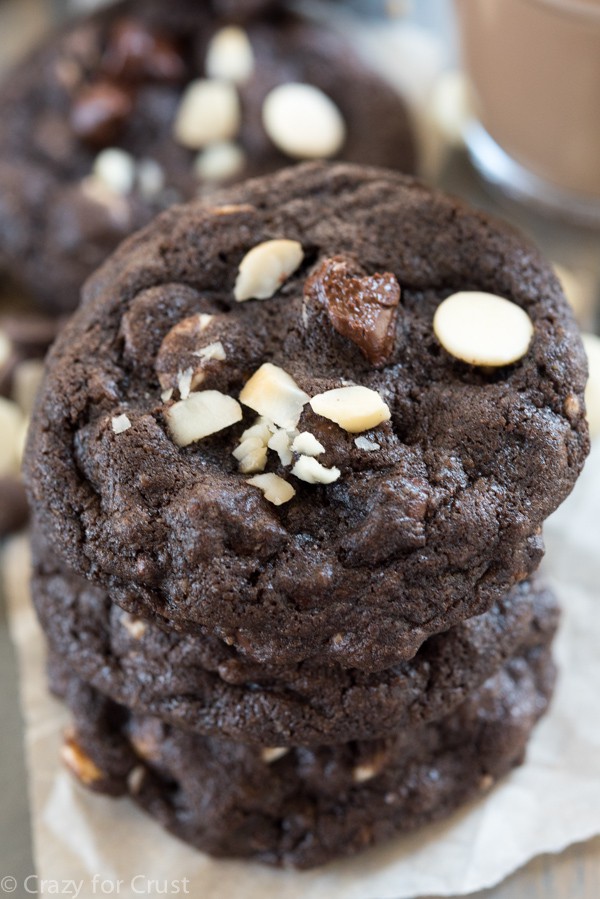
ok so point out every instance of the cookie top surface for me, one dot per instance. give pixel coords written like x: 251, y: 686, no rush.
x: 310, y: 804
x: 199, y: 683
x: 106, y: 124
x: 428, y: 522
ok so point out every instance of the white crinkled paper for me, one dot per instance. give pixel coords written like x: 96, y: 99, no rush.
x: 552, y: 801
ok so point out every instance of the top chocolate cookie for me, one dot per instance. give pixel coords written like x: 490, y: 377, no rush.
x: 259, y: 421
x: 148, y: 103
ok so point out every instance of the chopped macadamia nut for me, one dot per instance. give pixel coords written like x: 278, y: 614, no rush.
x: 482, y: 328
x: 230, y: 55
x: 27, y: 378
x: 307, y: 444
x: 209, y: 111
x: 135, y: 779
x: 363, y: 443
x: 150, y: 178
x: 280, y: 443
x: 11, y: 427
x: 79, y: 763
x: 274, y: 394
x: 308, y: 469
x: 275, y: 489
x: 247, y: 446
x: 116, y: 169
x: 254, y: 460
x: 120, y: 423
x: 135, y: 627
x: 5, y: 349
x: 362, y: 773
x: 303, y: 122
x: 212, y: 351
x: 266, y: 267
x: 201, y: 414
x: 184, y: 383
x: 354, y: 409
x: 167, y: 394
x: 261, y: 428
x: 272, y: 754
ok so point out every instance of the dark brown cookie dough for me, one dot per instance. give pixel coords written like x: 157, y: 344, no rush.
x: 115, y: 80
x: 199, y: 683
x: 430, y: 524
x: 306, y: 806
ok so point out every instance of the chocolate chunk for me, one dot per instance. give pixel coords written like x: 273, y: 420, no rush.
x: 361, y: 307
x: 134, y: 53
x: 99, y: 112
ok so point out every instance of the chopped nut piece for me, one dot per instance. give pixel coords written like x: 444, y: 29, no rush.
x: 273, y: 393
x: 281, y: 442
x: 303, y: 122
x: 209, y: 111
x: 11, y: 424
x: 220, y: 162
x: 79, y: 762
x: 362, y: 773
x: 261, y: 428
x: 308, y: 469
x: 254, y: 460
x: 167, y: 394
x: 200, y: 415
x: 116, y: 206
x: 212, y: 351
x: 266, y: 267
x: 307, y: 444
x: 184, y: 383
x: 27, y: 378
x: 247, y: 446
x: 364, y: 443
x: 230, y: 55
x: 120, y: 423
x: 482, y: 328
x: 361, y: 307
x: 115, y: 168
x: 5, y: 349
x: 134, y: 626
x: 354, y: 409
x: 272, y: 754
x: 275, y: 489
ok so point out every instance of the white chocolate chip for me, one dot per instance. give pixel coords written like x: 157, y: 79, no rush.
x: 275, y: 489
x: 212, y: 351
x: 116, y: 169
x: 120, y: 423
x: 280, y: 443
x: 220, y: 162
x: 307, y: 444
x: 363, y: 443
x: 27, y: 378
x: 11, y: 424
x: 184, y: 382
x: 272, y: 754
x: 308, y: 469
x: 230, y: 55
x: 303, y: 122
x: 592, y: 391
x: 482, y: 328
x: 134, y: 626
x: 354, y: 408
x: 274, y: 394
x: 209, y: 111
x: 79, y: 763
x: 266, y: 267
x: 200, y: 415
x: 150, y: 178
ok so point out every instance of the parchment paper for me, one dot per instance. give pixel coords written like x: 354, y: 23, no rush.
x: 552, y: 801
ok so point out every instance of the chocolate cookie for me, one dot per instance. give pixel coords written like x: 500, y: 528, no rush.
x: 305, y: 806
x: 377, y: 499
x: 201, y: 684
x: 147, y: 103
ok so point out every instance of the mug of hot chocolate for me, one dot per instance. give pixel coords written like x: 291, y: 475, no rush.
x: 534, y: 69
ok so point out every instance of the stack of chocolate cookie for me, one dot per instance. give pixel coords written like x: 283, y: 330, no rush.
x: 289, y: 468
